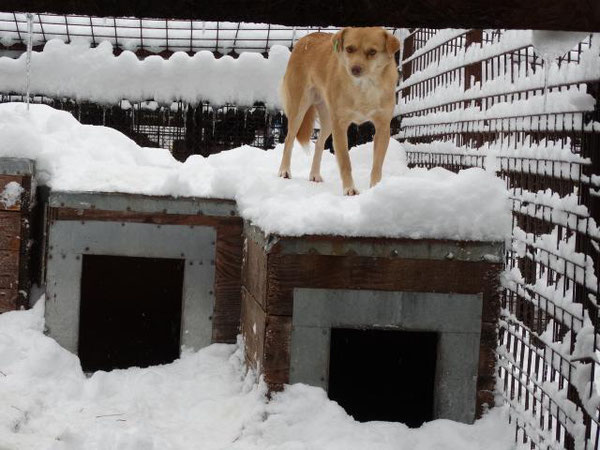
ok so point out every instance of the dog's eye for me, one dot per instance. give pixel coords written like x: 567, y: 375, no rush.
x: 350, y: 49
x: 371, y: 52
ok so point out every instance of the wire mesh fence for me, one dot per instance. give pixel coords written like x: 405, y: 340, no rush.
x: 186, y: 129
x: 473, y: 98
x: 148, y: 36
x: 181, y: 128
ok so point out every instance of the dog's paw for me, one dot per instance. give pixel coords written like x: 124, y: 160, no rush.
x: 316, y: 178
x: 351, y: 191
x: 285, y: 173
x: 374, y: 180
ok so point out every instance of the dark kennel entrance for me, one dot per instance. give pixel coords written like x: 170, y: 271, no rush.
x: 130, y: 311
x: 383, y: 375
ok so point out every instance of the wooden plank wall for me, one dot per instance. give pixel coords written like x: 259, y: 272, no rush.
x: 14, y: 246
x: 228, y: 259
x: 269, y: 278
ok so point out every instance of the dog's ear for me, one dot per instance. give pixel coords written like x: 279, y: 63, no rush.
x: 392, y: 43
x: 338, y: 40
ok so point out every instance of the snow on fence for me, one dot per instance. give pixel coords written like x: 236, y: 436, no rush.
x: 183, y: 129
x: 150, y: 36
x: 199, y: 104
x: 473, y: 98
x: 95, y: 74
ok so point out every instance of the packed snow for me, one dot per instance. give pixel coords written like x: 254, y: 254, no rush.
x: 94, y: 74
x: 470, y: 205
x: 11, y: 194
x: 203, y: 400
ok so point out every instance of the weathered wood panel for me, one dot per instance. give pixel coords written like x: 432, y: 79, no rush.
x: 276, y: 361
x: 15, y: 277
x: 387, y: 274
x: 10, y: 230
x: 8, y: 299
x: 489, y: 339
x: 515, y: 14
x: 9, y: 269
x: 253, y: 320
x: 255, y: 271
x: 138, y: 217
x: 228, y: 282
x: 486, y: 386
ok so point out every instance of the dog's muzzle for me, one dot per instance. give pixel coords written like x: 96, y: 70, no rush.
x: 356, y: 71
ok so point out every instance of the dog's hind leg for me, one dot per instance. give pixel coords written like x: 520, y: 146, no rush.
x: 324, y: 133
x: 295, y: 114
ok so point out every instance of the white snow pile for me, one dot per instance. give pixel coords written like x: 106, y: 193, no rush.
x: 414, y: 203
x: 95, y: 74
x: 202, y: 400
x: 11, y: 194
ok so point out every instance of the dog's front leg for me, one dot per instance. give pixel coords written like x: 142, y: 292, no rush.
x: 380, y: 145
x: 340, y: 144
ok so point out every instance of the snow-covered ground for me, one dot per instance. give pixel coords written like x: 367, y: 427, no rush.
x: 414, y: 203
x: 205, y: 400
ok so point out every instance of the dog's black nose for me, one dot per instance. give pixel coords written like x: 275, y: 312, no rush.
x: 356, y: 70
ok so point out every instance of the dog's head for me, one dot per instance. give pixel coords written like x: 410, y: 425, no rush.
x: 365, y: 51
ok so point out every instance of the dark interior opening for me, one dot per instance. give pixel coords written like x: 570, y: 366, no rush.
x: 383, y: 374
x: 130, y: 311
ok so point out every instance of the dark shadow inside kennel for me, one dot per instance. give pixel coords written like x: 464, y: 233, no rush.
x: 383, y: 374
x: 130, y: 311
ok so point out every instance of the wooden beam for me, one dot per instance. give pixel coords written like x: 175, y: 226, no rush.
x: 582, y: 15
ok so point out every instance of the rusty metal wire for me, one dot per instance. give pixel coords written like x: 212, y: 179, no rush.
x: 551, y: 280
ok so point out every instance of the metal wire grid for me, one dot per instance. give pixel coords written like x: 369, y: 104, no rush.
x: 147, y: 36
x: 181, y: 128
x: 556, y: 293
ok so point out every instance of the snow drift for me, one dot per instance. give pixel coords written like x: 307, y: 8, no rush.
x: 202, y: 400
x: 414, y: 203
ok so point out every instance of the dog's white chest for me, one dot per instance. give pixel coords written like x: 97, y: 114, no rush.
x: 366, y: 101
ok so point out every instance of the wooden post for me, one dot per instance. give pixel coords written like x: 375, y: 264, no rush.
x: 408, y: 48
x: 473, y: 75
x: 14, y: 234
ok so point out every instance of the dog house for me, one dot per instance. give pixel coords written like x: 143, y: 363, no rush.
x: 393, y: 329
x: 132, y: 278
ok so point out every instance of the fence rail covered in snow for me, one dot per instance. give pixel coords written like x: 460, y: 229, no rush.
x: 526, y: 105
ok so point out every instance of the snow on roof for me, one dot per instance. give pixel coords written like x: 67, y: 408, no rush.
x: 413, y: 203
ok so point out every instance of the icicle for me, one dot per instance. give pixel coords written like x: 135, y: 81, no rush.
x: 547, y: 62
x: 550, y: 45
x: 29, y: 49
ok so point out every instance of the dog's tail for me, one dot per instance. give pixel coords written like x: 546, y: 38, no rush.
x: 306, y: 128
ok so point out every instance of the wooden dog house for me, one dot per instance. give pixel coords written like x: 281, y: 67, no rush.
x: 318, y: 308
x: 393, y: 329
x: 132, y: 278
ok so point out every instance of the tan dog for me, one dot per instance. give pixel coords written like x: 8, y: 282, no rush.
x: 347, y: 77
